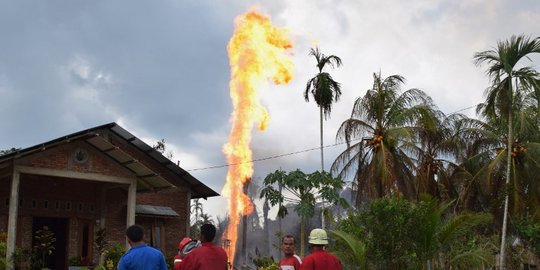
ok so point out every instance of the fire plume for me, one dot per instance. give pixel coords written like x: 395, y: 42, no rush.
x: 258, y: 52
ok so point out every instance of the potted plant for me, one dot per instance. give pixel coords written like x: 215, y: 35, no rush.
x: 74, y: 263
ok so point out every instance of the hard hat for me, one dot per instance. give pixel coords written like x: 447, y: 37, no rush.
x: 183, y: 242
x: 190, y: 246
x: 318, y: 237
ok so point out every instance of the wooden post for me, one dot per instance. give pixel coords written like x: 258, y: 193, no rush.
x: 12, y: 219
x: 131, y: 201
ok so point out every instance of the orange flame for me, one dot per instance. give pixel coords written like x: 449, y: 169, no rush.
x: 257, y: 52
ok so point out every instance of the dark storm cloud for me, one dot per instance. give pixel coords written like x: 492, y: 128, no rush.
x: 70, y: 65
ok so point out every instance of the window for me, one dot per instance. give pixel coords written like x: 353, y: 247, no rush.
x: 157, y: 235
x: 86, y: 240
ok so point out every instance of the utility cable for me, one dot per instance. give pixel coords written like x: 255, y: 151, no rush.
x: 293, y: 153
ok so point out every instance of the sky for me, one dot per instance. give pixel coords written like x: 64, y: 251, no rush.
x: 160, y: 69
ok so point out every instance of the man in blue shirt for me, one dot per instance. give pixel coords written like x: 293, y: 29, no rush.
x: 140, y: 256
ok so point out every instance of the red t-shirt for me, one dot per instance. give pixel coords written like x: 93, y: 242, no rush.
x: 178, y: 262
x: 320, y: 260
x: 290, y: 263
x: 206, y: 257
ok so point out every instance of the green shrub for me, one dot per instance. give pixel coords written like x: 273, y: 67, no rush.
x: 113, y: 254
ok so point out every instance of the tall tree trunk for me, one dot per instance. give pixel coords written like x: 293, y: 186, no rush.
x: 322, y: 152
x: 267, y: 246
x: 323, y: 221
x: 244, y: 228
x: 508, y: 171
x: 280, y: 186
x: 302, y: 236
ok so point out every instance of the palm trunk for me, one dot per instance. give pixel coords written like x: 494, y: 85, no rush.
x: 322, y: 152
x: 508, y: 164
x: 302, y: 236
x: 323, y: 223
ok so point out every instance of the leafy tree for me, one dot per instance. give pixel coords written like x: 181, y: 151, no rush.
x: 508, y: 81
x: 101, y: 243
x: 303, y: 191
x: 381, y: 121
x: 197, y: 208
x: 9, y: 151
x: 356, y: 249
x: 437, y: 236
x: 44, y: 246
x: 394, y: 233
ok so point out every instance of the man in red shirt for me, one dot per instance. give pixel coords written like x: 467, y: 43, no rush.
x: 319, y: 259
x: 184, y: 248
x: 291, y: 260
x: 207, y: 256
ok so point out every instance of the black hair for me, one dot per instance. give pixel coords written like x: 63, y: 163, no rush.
x: 208, y: 231
x: 135, y: 233
x: 288, y: 236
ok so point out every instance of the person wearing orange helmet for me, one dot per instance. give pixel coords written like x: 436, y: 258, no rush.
x: 185, y: 246
x: 208, y: 256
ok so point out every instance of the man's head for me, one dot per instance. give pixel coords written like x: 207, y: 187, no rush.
x: 135, y: 234
x: 287, y: 244
x: 208, y: 232
x: 318, y: 237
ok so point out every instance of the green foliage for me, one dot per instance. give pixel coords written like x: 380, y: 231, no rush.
x: 263, y: 262
x: 305, y: 189
x: 23, y: 257
x: 101, y: 242
x: 9, y: 151
x: 397, y: 234
x: 322, y: 87
x: 44, y: 246
x: 113, y: 254
x: 528, y: 229
x: 357, y: 250
x: 36, y: 257
x: 389, y: 223
x: 3, y: 250
x: 74, y: 261
x: 381, y: 123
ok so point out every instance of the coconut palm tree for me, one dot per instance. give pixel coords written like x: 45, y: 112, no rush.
x: 507, y: 80
x: 488, y: 164
x: 436, y: 145
x: 380, y: 122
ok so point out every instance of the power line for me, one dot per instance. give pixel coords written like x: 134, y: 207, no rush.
x: 265, y: 158
x: 292, y: 153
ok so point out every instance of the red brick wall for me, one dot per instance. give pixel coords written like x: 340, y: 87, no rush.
x: 174, y: 228
x: 36, y: 190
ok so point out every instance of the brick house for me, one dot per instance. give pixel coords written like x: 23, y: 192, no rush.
x: 102, y: 177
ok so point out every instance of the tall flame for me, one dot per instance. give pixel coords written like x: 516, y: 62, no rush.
x: 257, y: 53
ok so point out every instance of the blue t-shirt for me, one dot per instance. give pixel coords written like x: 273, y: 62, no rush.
x: 142, y: 257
